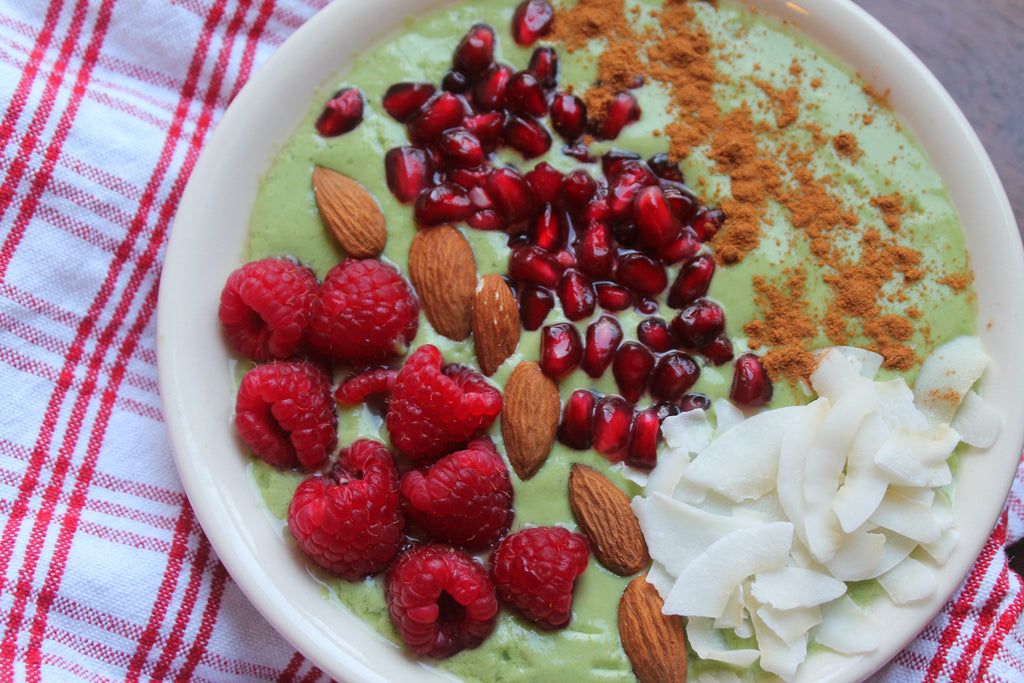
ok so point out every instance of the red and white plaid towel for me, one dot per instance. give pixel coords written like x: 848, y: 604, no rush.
x: 105, y: 573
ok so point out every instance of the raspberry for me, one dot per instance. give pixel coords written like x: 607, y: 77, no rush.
x: 365, y: 313
x: 535, y: 569
x: 369, y: 383
x: 349, y: 522
x: 440, y: 600
x: 465, y: 498
x: 284, y: 412
x: 264, y: 307
x: 435, y: 411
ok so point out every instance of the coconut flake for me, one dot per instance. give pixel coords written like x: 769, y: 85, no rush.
x: 689, y: 431
x: 795, y: 587
x: 946, y: 375
x: 778, y: 656
x: 846, y: 629
x: 918, y: 459
x: 709, y: 643
x: 790, y: 625
x: 796, y: 443
x: 977, y: 422
x: 727, y: 415
x: 909, y: 581
x: 911, y: 518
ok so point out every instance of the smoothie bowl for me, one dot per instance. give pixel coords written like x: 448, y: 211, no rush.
x: 734, y: 164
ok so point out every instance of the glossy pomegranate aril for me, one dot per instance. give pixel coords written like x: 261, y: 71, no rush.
x: 531, y: 20
x: 486, y: 127
x: 525, y: 95
x: 602, y: 340
x: 489, y: 92
x: 544, y: 65
x: 444, y: 203
x: 532, y: 265
x: 718, y: 351
x: 596, y: 251
x: 647, y: 306
x: 685, y: 246
x: 561, y: 350
x: 576, y: 294
x: 698, y: 324
x: 510, y: 193
x: 486, y: 219
x: 625, y: 185
x: 694, y: 402
x: 613, y: 297
x: 577, y: 189
x: 666, y: 169
x: 455, y: 82
x: 692, y: 282
x: 578, y: 151
x: 568, y: 116
x: 576, y: 428
x: 655, y: 335
x: 673, y: 375
x: 402, y: 101
x: 565, y: 258
x: 408, y: 171
x: 643, y: 439
x: 546, y: 181
x: 475, y: 51
x: 596, y: 209
x: 707, y: 223
x: 683, y: 203
x: 546, y: 230
x: 665, y: 410
x: 751, y: 385
x: 622, y: 110
x: 653, y: 217
x: 615, y: 159
x: 461, y: 148
x: 438, y: 115
x: 526, y: 135
x: 341, y: 113
x: 534, y: 305
x: 631, y: 368
x: 468, y: 178
x: 613, y: 419
x: 641, y: 273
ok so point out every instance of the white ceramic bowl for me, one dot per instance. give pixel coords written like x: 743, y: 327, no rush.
x: 210, y: 229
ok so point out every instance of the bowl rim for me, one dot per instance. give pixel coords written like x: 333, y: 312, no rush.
x: 230, y: 510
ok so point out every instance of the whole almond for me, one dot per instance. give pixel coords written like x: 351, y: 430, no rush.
x: 529, y: 418
x: 654, y: 642
x: 496, y: 325
x: 603, y: 513
x: 443, y: 271
x: 350, y: 212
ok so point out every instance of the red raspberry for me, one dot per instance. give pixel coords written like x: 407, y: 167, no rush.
x: 361, y: 387
x: 285, y: 413
x: 465, y: 498
x: 365, y: 313
x: 440, y: 600
x: 350, y: 522
x: 435, y: 411
x: 264, y: 307
x: 535, y: 569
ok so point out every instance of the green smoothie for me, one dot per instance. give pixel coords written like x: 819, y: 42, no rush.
x: 754, y: 57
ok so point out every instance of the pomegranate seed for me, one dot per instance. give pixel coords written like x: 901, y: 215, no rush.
x: 438, y: 115
x: 654, y: 334
x: 622, y: 111
x: 531, y: 264
x: 613, y: 297
x: 750, y: 383
x: 647, y: 306
x: 444, y: 203
x: 602, y: 340
x: 578, y: 151
x: 531, y: 20
x: 455, y: 82
x: 468, y: 177
x: 342, y: 113
x: 644, y: 438
x: 489, y: 91
x: 408, y: 171
x: 544, y: 65
x: 684, y: 204
x: 534, y: 305
x: 641, y: 273
x: 404, y: 100
x: 625, y: 185
x: 666, y: 169
x: 613, y: 417
x: 575, y: 429
x: 560, y: 349
x: 596, y: 251
x: 461, y: 148
x: 683, y: 247
x: 654, y: 218
x: 718, y: 351
x: 631, y: 368
x: 568, y: 116
x: 486, y: 127
x: 525, y: 95
x: 576, y: 294
x: 597, y: 210
x: 546, y: 181
x: 614, y: 160
x: 510, y: 193
x: 698, y: 324
x: 486, y: 219
x: 526, y: 135
x: 577, y: 189
x: 546, y: 230
x: 707, y: 223
x: 694, y: 402
x: 673, y: 374
x: 665, y: 410
x: 475, y: 51
x: 626, y: 234
x: 692, y: 282
x: 565, y: 259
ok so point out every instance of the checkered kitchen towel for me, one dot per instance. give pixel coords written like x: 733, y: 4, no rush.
x: 105, y: 573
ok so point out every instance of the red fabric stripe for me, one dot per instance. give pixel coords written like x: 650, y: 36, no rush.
x: 1010, y: 616
x: 213, y: 604
x: 251, y: 43
x: 292, y: 669
x: 982, y: 623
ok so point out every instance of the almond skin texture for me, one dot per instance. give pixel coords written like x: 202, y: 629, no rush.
x: 496, y: 325
x: 529, y: 418
x: 654, y: 642
x: 603, y: 513
x: 350, y: 212
x: 443, y: 271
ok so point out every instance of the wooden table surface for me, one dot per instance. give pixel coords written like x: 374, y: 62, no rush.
x: 976, y: 50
